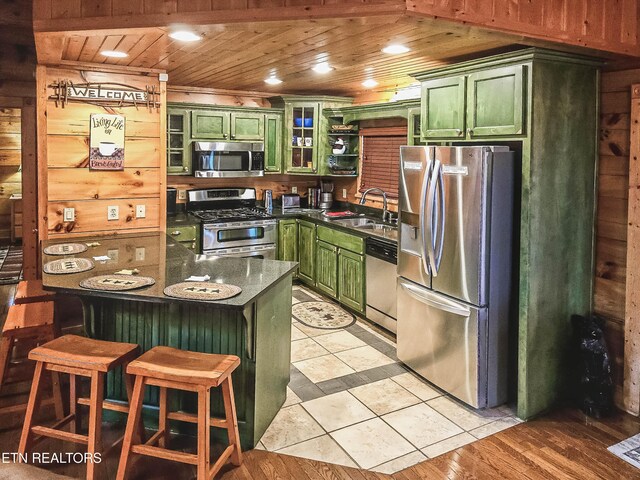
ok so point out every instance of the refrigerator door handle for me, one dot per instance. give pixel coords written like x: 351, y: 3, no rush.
x: 440, y: 233
x: 423, y: 223
x: 435, y: 301
x: 430, y: 220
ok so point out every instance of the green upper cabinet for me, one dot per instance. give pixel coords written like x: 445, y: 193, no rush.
x: 301, y: 150
x: 178, y: 146
x: 210, y: 124
x: 307, y: 251
x: 351, y: 279
x: 273, y: 143
x: 495, y: 102
x: 443, y: 102
x: 288, y: 240
x: 413, y: 126
x: 327, y: 268
x: 247, y: 126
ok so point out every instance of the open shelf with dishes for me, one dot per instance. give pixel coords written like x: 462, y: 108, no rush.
x: 343, y: 152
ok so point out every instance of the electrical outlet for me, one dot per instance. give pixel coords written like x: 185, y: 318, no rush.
x: 113, y: 254
x: 344, y: 193
x: 140, y: 254
x: 294, y: 189
x: 141, y: 211
x: 182, y: 194
x: 113, y: 212
x: 69, y: 214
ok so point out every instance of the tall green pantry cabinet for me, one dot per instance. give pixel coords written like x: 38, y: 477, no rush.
x: 544, y: 105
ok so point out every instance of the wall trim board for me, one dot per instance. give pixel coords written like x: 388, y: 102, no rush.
x: 631, y: 391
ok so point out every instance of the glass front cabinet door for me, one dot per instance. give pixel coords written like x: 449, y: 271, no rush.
x: 178, y: 146
x: 301, y: 152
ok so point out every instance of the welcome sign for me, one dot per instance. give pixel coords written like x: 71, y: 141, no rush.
x: 106, y: 142
x: 104, y: 94
x: 99, y: 93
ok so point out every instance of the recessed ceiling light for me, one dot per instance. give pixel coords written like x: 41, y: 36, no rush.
x: 272, y: 80
x: 113, y: 53
x: 395, y: 49
x: 322, y: 67
x: 185, y: 36
x: 369, y: 83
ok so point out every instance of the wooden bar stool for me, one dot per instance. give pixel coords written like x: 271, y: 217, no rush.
x: 30, y: 291
x: 75, y: 356
x: 33, y: 324
x: 167, y: 367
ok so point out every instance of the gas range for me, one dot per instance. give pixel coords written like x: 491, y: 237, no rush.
x: 232, y: 225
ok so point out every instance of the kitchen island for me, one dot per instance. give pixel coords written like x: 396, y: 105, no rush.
x: 254, y: 325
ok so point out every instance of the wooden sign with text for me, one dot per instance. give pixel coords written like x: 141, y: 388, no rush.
x: 104, y: 94
x: 106, y: 144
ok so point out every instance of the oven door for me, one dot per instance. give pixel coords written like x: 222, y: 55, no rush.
x: 264, y: 252
x: 238, y: 234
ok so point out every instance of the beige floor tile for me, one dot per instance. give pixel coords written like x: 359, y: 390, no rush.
x: 372, y: 443
x: 364, y: 358
x: 322, y: 449
x: 305, y: 349
x: 296, y: 333
x: 310, y: 331
x: 464, y: 417
x: 401, y: 463
x: 416, y: 386
x: 291, y: 399
x: 323, y: 368
x: 339, y: 341
x: 447, y: 445
x: 495, y: 427
x: 291, y: 425
x: 421, y: 425
x: 384, y: 396
x: 337, y: 410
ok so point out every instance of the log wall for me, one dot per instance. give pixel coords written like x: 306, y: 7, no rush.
x: 66, y: 179
x: 10, y: 162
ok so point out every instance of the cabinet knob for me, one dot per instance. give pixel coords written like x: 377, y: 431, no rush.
x: 176, y: 232
x: 459, y: 132
x: 185, y: 169
x: 233, y: 136
x: 224, y: 135
x: 470, y: 131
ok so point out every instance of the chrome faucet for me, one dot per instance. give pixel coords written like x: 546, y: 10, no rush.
x: 386, y: 214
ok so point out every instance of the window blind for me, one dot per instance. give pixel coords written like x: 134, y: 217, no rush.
x: 381, y: 163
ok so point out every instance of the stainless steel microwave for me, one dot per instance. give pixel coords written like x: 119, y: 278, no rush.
x: 228, y: 159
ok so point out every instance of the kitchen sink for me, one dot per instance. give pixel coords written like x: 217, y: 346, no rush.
x: 354, y: 222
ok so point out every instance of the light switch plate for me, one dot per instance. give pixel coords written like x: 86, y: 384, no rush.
x: 69, y: 214
x: 113, y: 254
x: 140, y: 252
x: 141, y: 211
x: 182, y: 194
x: 344, y: 193
x: 294, y: 189
x: 113, y: 212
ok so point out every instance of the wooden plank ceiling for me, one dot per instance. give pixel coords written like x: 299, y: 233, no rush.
x: 241, y: 56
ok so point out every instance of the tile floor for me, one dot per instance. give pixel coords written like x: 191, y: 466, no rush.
x: 351, y: 402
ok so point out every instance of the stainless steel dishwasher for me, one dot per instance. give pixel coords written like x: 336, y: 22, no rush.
x: 382, y: 257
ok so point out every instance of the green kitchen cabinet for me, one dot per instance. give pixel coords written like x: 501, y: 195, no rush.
x: 307, y: 251
x: 495, y: 102
x: 210, y: 124
x: 327, y: 268
x: 247, y: 126
x: 187, y: 235
x: 351, y: 279
x: 288, y: 240
x: 443, y: 107
x: 178, y: 146
x: 413, y: 126
x: 273, y: 143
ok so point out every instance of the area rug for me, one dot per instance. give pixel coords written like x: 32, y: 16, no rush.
x: 10, y: 264
x: 628, y: 450
x: 323, y: 315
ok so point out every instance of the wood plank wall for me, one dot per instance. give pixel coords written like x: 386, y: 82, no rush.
x: 608, y: 25
x: 10, y: 162
x: 613, y: 189
x: 70, y: 183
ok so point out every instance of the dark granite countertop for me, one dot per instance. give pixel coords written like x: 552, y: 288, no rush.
x: 159, y: 256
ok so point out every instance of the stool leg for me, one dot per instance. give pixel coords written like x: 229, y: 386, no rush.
x: 32, y: 407
x: 73, y: 404
x: 204, y: 433
x: 232, y: 420
x: 6, y: 345
x: 57, y: 395
x: 95, y: 421
x: 139, y: 435
x: 135, y: 410
x: 162, y: 418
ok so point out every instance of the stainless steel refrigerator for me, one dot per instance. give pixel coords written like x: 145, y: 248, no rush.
x: 454, y: 268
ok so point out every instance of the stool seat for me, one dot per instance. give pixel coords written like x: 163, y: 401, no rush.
x: 85, y: 353
x: 32, y: 291
x: 172, y: 364
x: 28, y: 315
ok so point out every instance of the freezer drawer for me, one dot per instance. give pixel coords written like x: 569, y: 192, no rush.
x: 444, y: 341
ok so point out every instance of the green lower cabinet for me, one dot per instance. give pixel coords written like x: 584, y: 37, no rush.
x: 307, y: 251
x: 351, y: 280
x: 288, y: 240
x: 327, y: 268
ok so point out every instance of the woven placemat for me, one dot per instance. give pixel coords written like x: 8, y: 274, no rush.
x: 202, y: 291
x: 68, y: 265
x: 65, y: 249
x: 115, y: 282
